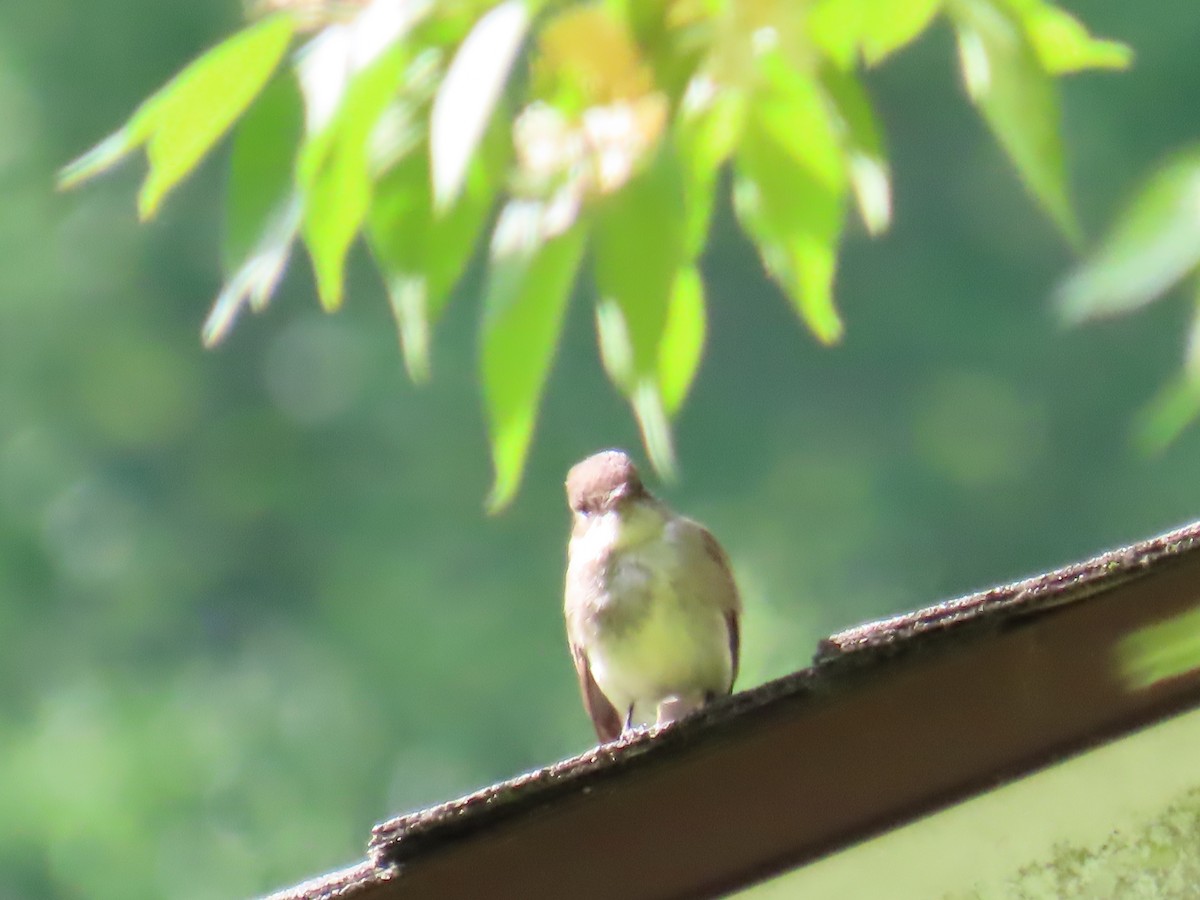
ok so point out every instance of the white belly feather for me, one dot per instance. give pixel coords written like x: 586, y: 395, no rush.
x: 674, y: 645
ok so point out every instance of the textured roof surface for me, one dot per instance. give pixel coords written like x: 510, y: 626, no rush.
x: 895, y: 718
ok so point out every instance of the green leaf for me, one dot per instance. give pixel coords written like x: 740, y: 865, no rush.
x: 1164, y: 650
x: 682, y: 345
x: 639, y: 246
x: 1176, y: 406
x: 255, y: 279
x: 261, y: 166
x: 793, y: 109
x: 468, y: 94
x: 796, y: 221
x: 1154, y: 243
x: 422, y: 255
x: 100, y: 158
x: 334, y: 172
x: 529, y: 285
x: 1018, y: 99
x: 1062, y: 42
x: 876, y: 28
x: 836, y: 27
x: 889, y: 25
x: 182, y: 121
x: 1191, y: 358
x: 870, y: 175
x: 360, y: 33
x: 262, y: 207
x: 708, y: 131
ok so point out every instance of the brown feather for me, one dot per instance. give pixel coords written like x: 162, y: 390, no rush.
x: 733, y: 605
x: 604, y: 715
x: 735, y: 645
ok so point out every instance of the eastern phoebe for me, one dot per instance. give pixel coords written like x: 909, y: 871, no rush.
x: 651, y: 605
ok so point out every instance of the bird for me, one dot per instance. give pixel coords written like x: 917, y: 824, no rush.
x: 652, y: 610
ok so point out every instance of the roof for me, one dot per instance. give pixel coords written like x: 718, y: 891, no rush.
x: 895, y: 718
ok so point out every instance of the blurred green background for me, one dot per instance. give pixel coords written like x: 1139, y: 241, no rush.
x: 249, y: 599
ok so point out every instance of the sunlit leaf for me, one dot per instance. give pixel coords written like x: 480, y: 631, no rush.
x: 793, y: 109
x: 652, y: 421
x: 836, y: 26
x: 468, y: 94
x: 100, y: 158
x: 328, y: 63
x: 873, y: 29
x: 639, y: 247
x: 682, y: 345
x: 526, y: 297
x: 709, y: 129
x: 422, y: 255
x: 199, y: 105
x: 334, y: 173
x: 796, y: 221
x: 1064, y: 45
x: 1152, y: 245
x: 182, y: 121
x: 870, y: 175
x: 587, y: 56
x: 1005, y: 79
x: 256, y: 278
x: 889, y: 25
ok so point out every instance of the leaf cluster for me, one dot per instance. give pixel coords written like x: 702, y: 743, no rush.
x: 573, y: 133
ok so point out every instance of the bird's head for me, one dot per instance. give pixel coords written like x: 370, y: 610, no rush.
x: 604, y: 482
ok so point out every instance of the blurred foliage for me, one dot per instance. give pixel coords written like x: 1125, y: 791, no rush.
x: 622, y: 116
x: 1153, y: 245
x: 249, y: 598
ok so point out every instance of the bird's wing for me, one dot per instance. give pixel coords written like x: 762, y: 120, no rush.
x: 732, y: 621
x: 604, y: 715
x: 725, y: 588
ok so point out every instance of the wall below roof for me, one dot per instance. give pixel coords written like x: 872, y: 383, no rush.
x: 1117, y: 821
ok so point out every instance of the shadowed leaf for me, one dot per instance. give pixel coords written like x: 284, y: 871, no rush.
x: 870, y: 175
x: 529, y: 284
x: 1154, y: 243
x: 420, y: 255
x: 261, y: 166
x: 1018, y: 99
x: 1166, y: 416
x: 262, y: 207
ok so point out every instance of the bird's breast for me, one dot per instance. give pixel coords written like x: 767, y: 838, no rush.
x: 646, y: 633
